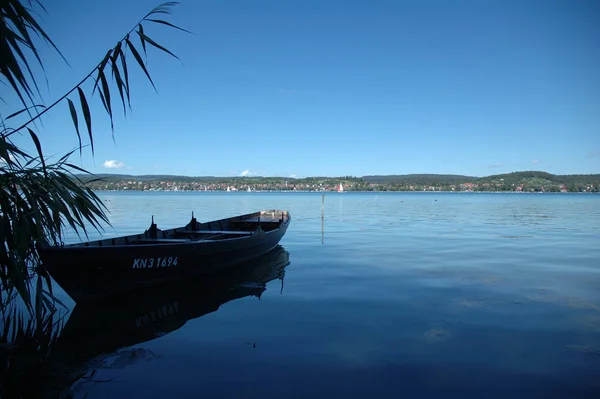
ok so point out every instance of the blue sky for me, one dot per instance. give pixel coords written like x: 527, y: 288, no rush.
x: 305, y: 88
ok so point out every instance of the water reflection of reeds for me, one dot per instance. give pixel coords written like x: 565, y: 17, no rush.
x: 26, y: 339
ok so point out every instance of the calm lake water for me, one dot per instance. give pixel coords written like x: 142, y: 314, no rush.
x: 394, y: 295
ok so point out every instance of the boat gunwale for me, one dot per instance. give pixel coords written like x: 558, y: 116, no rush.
x: 251, y: 235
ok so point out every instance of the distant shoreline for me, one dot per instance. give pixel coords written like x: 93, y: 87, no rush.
x: 338, y: 193
x: 512, y: 182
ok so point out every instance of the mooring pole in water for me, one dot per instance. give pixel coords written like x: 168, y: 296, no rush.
x: 323, y: 219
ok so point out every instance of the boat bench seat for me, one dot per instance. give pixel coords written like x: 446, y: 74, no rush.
x: 230, y: 232
x: 161, y: 240
x: 255, y: 220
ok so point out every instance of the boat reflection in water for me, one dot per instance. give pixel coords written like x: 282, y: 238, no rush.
x: 102, y: 328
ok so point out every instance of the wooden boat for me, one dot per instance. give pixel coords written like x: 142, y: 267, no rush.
x: 96, y: 269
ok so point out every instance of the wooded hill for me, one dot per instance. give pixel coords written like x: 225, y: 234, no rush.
x: 516, y: 181
x: 515, y: 177
x: 419, y: 179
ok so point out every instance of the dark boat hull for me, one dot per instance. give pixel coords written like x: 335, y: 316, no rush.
x: 89, y: 273
x: 105, y: 326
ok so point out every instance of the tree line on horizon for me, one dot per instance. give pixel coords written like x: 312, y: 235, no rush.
x: 516, y: 181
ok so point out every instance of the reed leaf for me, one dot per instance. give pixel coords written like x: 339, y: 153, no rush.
x: 106, y: 93
x: 14, y: 114
x: 100, y: 68
x: 152, y: 42
x: 160, y: 21
x: 125, y: 75
x: 38, y: 147
x: 141, y: 34
x: 138, y: 58
x: 86, y: 115
x: 123, y: 89
x: 75, y: 121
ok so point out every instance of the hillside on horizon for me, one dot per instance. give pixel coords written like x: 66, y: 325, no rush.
x: 384, y: 179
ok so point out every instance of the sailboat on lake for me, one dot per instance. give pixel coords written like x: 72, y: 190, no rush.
x: 340, y: 188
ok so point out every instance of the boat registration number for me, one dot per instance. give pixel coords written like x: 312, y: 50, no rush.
x: 147, y: 263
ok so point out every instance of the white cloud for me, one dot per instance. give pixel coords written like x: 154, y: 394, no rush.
x: 245, y: 173
x: 293, y: 176
x: 495, y: 165
x: 113, y: 164
x: 535, y: 161
x: 288, y: 92
x: 292, y: 92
